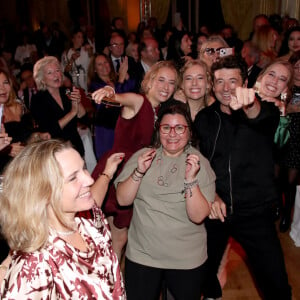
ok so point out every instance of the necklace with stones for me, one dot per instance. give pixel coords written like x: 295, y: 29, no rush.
x: 163, y: 180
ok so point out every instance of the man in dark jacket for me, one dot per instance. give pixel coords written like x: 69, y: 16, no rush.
x: 236, y: 134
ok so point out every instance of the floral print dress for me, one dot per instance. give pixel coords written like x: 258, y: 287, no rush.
x: 60, y: 271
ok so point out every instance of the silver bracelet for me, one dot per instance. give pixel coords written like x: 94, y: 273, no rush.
x: 188, y: 187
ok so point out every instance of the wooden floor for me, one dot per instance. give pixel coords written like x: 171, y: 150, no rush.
x: 240, y: 285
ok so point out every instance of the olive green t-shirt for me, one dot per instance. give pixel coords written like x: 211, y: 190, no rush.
x: 161, y: 234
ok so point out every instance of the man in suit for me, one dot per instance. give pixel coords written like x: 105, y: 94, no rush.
x: 116, y: 48
x: 149, y: 54
x: 250, y: 54
x: 27, y: 86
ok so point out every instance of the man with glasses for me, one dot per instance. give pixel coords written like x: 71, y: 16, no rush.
x: 116, y: 48
x: 236, y: 134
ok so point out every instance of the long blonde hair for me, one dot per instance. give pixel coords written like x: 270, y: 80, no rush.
x: 32, y: 181
x: 203, y: 65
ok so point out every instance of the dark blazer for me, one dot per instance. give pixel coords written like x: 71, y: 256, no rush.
x: 252, y: 76
x: 47, y: 113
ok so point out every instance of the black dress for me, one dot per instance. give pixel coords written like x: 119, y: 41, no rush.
x: 291, y: 155
x: 47, y: 113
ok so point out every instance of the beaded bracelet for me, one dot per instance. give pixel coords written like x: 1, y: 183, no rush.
x: 135, y: 177
x: 188, y: 187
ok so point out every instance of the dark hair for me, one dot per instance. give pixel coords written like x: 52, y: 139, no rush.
x: 284, y: 49
x: 230, y: 62
x: 174, y: 47
x: 295, y: 57
x: 178, y: 108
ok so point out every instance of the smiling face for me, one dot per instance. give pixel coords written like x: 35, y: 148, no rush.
x: 78, y: 40
x: 5, y: 88
x: 274, y: 81
x: 102, y: 66
x: 162, y: 86
x: 76, y: 194
x: 52, y: 76
x: 209, y: 57
x: 294, y: 41
x: 173, y: 144
x: 225, y: 83
x: 186, y: 44
x: 194, y: 82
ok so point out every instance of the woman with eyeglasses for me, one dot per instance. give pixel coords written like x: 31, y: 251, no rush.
x: 133, y: 131
x: 171, y: 186
x: 210, y: 49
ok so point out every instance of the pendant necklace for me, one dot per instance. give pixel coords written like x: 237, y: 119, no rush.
x: 163, y: 180
x: 64, y: 233
x: 155, y: 113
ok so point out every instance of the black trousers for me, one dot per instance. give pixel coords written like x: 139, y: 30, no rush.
x: 143, y: 282
x: 258, y: 236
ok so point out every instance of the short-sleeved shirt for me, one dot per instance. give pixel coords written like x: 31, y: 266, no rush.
x: 60, y: 271
x: 161, y: 234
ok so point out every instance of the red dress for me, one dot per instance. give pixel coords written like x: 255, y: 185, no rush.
x: 130, y: 136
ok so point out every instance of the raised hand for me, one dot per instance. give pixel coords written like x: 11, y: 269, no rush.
x: 192, y: 167
x: 145, y: 160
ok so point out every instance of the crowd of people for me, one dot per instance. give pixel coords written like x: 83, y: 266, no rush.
x: 184, y: 130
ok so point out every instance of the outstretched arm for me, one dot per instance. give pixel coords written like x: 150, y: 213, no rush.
x: 127, y: 189
x: 99, y: 188
x: 245, y: 99
x: 131, y: 102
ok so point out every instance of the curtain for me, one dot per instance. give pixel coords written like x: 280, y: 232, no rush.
x: 240, y: 14
x: 160, y: 10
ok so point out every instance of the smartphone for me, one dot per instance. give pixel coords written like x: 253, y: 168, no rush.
x: 1, y: 114
x: 226, y: 51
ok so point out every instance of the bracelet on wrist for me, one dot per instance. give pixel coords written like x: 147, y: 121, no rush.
x: 106, y: 175
x: 187, y: 187
x: 139, y: 172
x: 135, y: 177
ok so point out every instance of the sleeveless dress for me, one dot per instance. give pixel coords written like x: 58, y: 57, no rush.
x: 130, y: 136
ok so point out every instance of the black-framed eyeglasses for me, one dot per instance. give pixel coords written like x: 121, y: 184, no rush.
x: 212, y: 51
x: 178, y: 128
